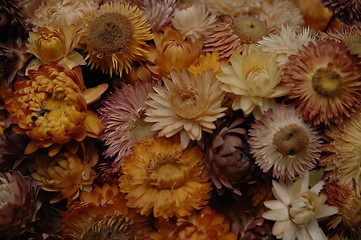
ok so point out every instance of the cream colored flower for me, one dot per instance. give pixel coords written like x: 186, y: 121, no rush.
x: 298, y: 209
x: 286, y: 43
x: 187, y: 104
x: 254, y: 80
x: 194, y: 22
x: 232, y: 7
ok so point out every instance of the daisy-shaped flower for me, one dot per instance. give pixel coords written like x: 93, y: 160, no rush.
x: 116, y: 37
x: 347, y: 10
x: 123, y: 120
x: 286, y: 43
x: 103, y: 214
x: 194, y: 21
x: 297, y: 210
x: 67, y: 173
x: 344, y: 160
x: 325, y: 82
x: 187, y: 104
x: 62, y: 14
x: 283, y: 142
x: 161, y: 178
x: 51, y: 108
x: 207, y: 224
x: 254, y: 79
x: 233, y: 34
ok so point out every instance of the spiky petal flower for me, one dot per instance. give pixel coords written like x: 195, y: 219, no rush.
x: 194, y: 21
x: 207, y: 224
x: 347, y: 11
x: 347, y: 223
x: 18, y: 204
x: 187, y: 104
x: 325, y: 82
x: 283, y: 142
x: 116, y: 37
x: 51, y: 107
x: 123, y: 120
x: 254, y: 79
x: 343, y: 161
x: 286, y: 43
x: 227, y: 156
x: 103, y: 214
x: 297, y: 210
x: 67, y: 173
x: 161, y: 178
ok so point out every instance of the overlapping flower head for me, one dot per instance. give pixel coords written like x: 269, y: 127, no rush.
x: 180, y: 119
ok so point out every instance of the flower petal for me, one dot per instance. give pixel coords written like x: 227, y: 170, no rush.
x: 277, y: 214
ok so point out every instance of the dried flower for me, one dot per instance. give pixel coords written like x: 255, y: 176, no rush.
x: 161, y: 178
x: 347, y: 11
x: 187, y: 104
x: 254, y: 79
x: 325, y: 82
x: 208, y: 61
x: 283, y: 142
x: 297, y: 210
x: 233, y: 7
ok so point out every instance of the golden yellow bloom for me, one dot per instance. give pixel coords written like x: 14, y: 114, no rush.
x: 51, y: 107
x: 206, y: 225
x: 116, y: 37
x: 67, y: 173
x: 172, y: 52
x: 254, y: 79
x: 187, y: 105
x: 206, y: 62
x: 107, y: 219
x: 159, y: 177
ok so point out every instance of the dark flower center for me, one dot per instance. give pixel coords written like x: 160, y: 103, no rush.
x: 290, y: 140
x: 248, y: 29
x: 108, y: 229
x: 110, y: 33
x: 326, y: 82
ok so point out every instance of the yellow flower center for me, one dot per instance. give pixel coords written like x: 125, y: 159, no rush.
x: 326, y: 82
x: 51, y: 45
x: 166, y: 173
x: 110, y: 33
x: 249, y: 29
x: 185, y: 102
x: 139, y: 129
x: 290, y: 140
x: 302, y: 210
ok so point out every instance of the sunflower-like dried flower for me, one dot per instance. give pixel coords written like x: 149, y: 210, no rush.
x: 347, y: 223
x: 51, y: 108
x: 254, y: 79
x: 233, y: 7
x: 298, y: 209
x: 188, y: 105
x: 103, y: 214
x: 227, y: 156
x: 194, y: 21
x: 18, y: 204
x: 172, y: 52
x: 234, y: 34
x: 50, y: 45
x: 348, y: 11
x: 342, y: 164
x: 158, y: 12
x: 62, y: 14
x: 161, y: 178
x: 123, y: 117
x: 207, y: 224
x: 286, y: 43
x: 283, y: 142
x: 278, y: 12
x: 324, y: 79
x: 116, y: 37
x: 67, y: 173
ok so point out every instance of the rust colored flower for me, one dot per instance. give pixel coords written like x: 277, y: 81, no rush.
x: 51, y: 108
x: 161, y: 178
x: 325, y: 82
x: 205, y: 225
x: 347, y: 11
x: 67, y: 173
